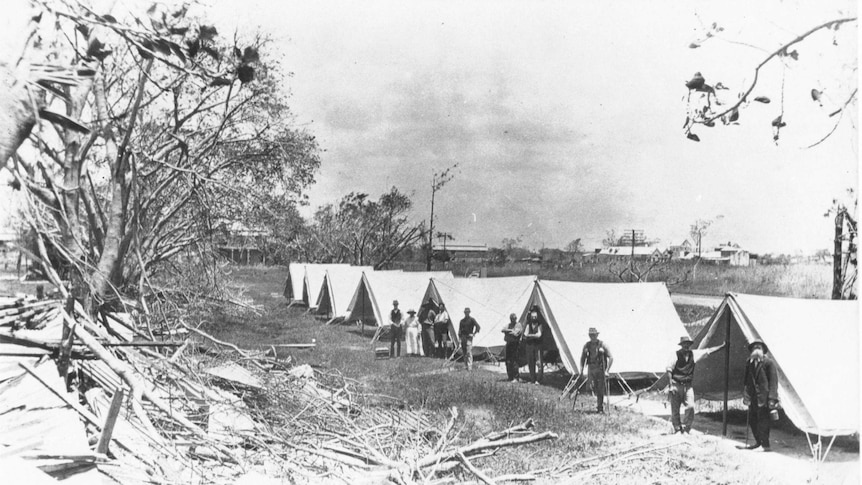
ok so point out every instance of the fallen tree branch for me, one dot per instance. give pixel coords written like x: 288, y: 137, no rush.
x: 484, y: 445
x: 475, y: 471
x: 244, y: 353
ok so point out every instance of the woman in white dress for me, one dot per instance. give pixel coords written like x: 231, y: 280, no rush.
x: 412, y: 333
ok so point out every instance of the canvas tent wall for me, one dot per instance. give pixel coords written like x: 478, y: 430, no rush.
x: 815, y: 346
x: 338, y: 286
x: 313, y: 282
x: 491, y: 301
x: 637, y: 321
x: 294, y: 286
x: 373, y: 296
x: 294, y: 282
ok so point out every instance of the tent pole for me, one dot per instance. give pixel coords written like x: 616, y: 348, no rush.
x: 726, y: 376
x: 827, y: 449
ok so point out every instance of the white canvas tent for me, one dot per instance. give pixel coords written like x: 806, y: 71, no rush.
x: 339, y: 283
x: 372, y: 299
x: 815, y: 346
x: 294, y: 282
x: 491, y: 301
x: 637, y: 321
x: 295, y: 286
x: 313, y: 282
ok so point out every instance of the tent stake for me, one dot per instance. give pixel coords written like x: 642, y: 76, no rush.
x: 726, y: 376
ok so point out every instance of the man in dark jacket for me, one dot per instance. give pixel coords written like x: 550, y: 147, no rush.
x: 760, y: 393
x: 512, y: 335
x: 428, y: 333
x: 396, y: 333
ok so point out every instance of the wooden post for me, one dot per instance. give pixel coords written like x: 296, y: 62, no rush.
x: 726, y: 372
x: 632, y: 260
x: 110, y: 421
x: 837, y: 250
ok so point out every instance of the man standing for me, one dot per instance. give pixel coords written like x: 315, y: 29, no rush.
x: 428, y: 332
x: 533, y: 345
x: 396, y: 332
x: 760, y: 393
x: 597, y: 357
x: 680, y: 373
x: 512, y: 335
x: 441, y: 330
x: 466, y: 329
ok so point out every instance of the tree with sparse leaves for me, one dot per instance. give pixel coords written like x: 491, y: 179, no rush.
x: 575, y: 246
x: 360, y: 231
x: 169, y: 132
x: 710, y: 102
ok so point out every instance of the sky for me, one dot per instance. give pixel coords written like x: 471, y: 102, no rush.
x: 564, y: 118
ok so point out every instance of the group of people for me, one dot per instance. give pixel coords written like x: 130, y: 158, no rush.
x: 430, y: 336
x: 760, y: 387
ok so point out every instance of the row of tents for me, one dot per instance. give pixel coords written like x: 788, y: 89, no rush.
x: 815, y: 343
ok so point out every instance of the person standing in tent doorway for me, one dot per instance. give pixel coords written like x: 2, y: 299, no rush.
x: 533, y: 345
x: 512, y: 335
x: 467, y: 328
x: 680, y: 373
x: 411, y: 330
x: 428, y: 332
x: 760, y: 393
x: 441, y: 330
x: 396, y: 332
x: 597, y: 357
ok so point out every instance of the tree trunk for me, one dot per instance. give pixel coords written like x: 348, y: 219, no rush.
x: 109, y: 269
x: 837, y: 252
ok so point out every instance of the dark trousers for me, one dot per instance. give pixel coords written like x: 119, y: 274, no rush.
x: 534, y: 361
x: 396, y: 335
x: 758, y: 420
x: 598, y: 383
x: 428, y: 340
x: 441, y: 332
x: 512, y: 359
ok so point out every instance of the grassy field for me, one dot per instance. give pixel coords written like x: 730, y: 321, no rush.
x: 487, y: 403
x: 798, y: 281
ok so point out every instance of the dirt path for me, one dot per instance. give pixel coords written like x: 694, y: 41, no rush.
x: 790, y: 462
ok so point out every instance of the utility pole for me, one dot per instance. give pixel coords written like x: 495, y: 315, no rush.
x: 637, y: 236
x: 430, y: 232
x: 437, y: 182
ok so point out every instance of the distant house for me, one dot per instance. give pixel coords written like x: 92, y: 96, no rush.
x: 244, y: 245
x: 622, y: 252
x: 469, y: 253
x: 684, y: 250
x: 727, y: 254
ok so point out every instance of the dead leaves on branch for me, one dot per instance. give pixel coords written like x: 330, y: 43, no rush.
x: 702, y: 97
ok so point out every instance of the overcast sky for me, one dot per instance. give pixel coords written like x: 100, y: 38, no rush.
x: 565, y: 117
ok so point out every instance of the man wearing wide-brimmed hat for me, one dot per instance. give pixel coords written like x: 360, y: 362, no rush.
x: 596, y: 356
x: 680, y: 373
x: 760, y: 393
